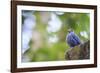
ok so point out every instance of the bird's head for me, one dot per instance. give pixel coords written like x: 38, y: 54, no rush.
x: 70, y: 30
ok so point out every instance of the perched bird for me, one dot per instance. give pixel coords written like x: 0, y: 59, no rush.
x: 72, y: 39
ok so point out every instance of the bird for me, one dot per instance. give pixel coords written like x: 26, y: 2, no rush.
x: 72, y: 39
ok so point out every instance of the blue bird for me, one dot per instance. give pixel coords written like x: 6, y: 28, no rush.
x: 72, y: 39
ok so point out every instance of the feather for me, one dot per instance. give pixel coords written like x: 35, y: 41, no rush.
x: 72, y: 39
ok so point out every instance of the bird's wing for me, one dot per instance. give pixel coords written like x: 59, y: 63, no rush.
x: 75, y: 37
x: 71, y: 41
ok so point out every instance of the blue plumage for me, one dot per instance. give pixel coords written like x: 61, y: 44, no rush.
x: 72, y: 39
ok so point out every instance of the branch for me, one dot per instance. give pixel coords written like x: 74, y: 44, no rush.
x: 79, y: 52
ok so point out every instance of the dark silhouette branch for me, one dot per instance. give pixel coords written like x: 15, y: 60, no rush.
x: 79, y: 52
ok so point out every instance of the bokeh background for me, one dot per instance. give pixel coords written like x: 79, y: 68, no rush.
x: 44, y: 33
